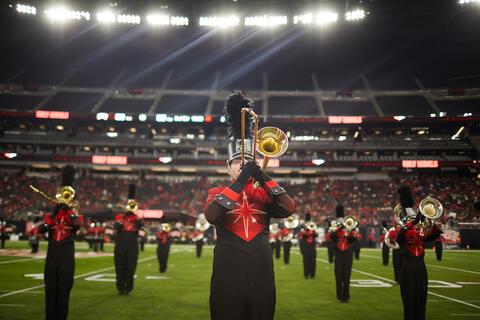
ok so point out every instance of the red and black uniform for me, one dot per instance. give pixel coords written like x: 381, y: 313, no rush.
x: 413, y: 273
x: 34, y: 238
x: 198, y: 243
x: 396, y: 253
x: 5, y: 231
x: 357, y: 244
x: 343, y: 249
x: 309, y: 252
x: 439, y: 247
x: 385, y: 250
x: 163, y: 249
x: 126, y: 250
x: 61, y: 226
x: 243, y: 284
x: 278, y: 245
x: 287, y: 245
x: 329, y: 244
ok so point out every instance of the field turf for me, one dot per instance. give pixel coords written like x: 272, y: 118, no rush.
x: 182, y: 292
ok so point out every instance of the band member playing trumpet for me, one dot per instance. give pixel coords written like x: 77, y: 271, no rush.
x: 418, y: 228
x: 126, y: 246
x: 308, y: 236
x: 287, y: 234
x: 343, y: 238
x: 277, y: 243
x: 328, y: 240
x: 358, y: 243
x: 163, y: 246
x: 243, y: 283
x: 34, y: 235
x: 385, y: 248
x: 61, y: 226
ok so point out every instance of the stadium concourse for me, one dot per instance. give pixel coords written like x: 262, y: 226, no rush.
x: 126, y: 100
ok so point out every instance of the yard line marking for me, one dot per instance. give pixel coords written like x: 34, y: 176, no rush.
x: 75, y: 277
x: 464, y: 315
x: 462, y: 282
x: 392, y: 281
x: 17, y: 260
x: 12, y: 305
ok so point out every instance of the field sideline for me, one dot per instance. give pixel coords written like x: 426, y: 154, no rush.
x: 182, y: 292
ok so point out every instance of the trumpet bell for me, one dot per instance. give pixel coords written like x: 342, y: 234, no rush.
x: 430, y: 208
x: 131, y: 205
x: 292, y: 222
x: 271, y: 142
x: 274, y: 229
x: 65, y: 195
x: 350, y: 223
x: 166, y: 227
x: 311, y: 226
x: 202, y: 224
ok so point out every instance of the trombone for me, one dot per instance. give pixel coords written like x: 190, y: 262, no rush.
x: 64, y: 195
x: 271, y: 142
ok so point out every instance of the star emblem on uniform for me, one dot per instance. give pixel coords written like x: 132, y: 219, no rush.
x: 245, y: 212
x: 61, y: 228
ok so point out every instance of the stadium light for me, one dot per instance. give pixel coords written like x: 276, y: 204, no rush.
x: 165, y: 159
x: 105, y: 17
x: 142, y: 117
x: 62, y: 14
x: 303, y: 19
x: 269, y: 21
x: 112, y: 134
x: 158, y: 19
x: 128, y: 18
x: 318, y: 162
x: 102, y: 116
x: 219, y: 21
x: 355, y: 15
x: 326, y: 17
x: 466, y: 1
x: 22, y: 8
x: 179, y: 21
x: 10, y: 155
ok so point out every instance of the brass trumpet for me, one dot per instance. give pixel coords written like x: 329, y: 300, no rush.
x: 166, y: 227
x: 431, y: 209
x: 131, y: 205
x: 292, y: 222
x: 270, y: 142
x: 64, y: 195
x: 350, y: 223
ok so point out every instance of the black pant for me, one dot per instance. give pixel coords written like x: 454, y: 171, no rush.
x: 286, y: 251
x: 35, y: 247
x: 142, y: 245
x: 356, y: 248
x: 413, y: 287
x: 385, y: 254
x: 438, y: 250
x: 102, y: 242
x: 96, y: 244
x: 397, y: 262
x: 126, y: 256
x: 4, y: 237
x: 278, y: 248
x: 309, y: 260
x: 199, y: 245
x: 242, y: 286
x: 58, y: 275
x: 162, y: 255
x: 343, y: 271
x: 330, y: 251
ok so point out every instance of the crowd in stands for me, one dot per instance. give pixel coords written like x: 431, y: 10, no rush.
x: 371, y: 202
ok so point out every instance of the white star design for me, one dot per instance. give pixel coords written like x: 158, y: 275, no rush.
x: 245, y: 212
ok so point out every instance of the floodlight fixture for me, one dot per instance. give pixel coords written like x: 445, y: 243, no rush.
x: 355, y: 15
x: 106, y: 17
x: 265, y: 20
x: 22, y: 8
x: 303, y: 19
x: 62, y: 14
x: 179, y: 21
x: 326, y: 17
x: 158, y: 19
x: 128, y: 18
x: 219, y: 21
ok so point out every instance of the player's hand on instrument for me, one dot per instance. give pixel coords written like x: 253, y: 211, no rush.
x: 246, y: 172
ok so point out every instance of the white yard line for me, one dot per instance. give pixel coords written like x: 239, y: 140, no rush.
x: 76, y: 277
x: 16, y: 260
x: 12, y: 305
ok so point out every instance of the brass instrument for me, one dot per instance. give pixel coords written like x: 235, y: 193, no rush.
x: 394, y: 244
x: 274, y: 229
x: 166, y: 227
x: 202, y: 224
x: 64, y: 195
x: 131, y: 205
x: 288, y: 237
x: 292, y: 222
x: 311, y: 226
x: 271, y: 142
x: 431, y: 209
x: 350, y: 223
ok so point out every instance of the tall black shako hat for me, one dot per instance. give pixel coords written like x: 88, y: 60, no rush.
x: 68, y: 175
x: 340, y: 211
x: 406, y: 203
x: 232, y: 109
x: 66, y: 193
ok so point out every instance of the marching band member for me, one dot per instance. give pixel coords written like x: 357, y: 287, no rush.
x: 343, y: 238
x: 308, y: 235
x: 5, y: 231
x: 385, y: 248
x: 328, y: 240
x: 439, y: 247
x: 286, y: 236
x: 391, y: 238
x: 126, y: 246
x: 243, y: 284
x: 198, y: 239
x: 61, y: 226
x: 142, y: 238
x: 412, y: 237
x: 163, y: 246
x: 34, y: 236
x: 357, y: 245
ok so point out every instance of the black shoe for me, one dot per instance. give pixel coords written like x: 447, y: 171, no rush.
x: 127, y: 293
x: 120, y: 293
x: 346, y: 300
x: 339, y: 301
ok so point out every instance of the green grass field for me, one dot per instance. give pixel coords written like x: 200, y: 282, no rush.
x: 184, y: 290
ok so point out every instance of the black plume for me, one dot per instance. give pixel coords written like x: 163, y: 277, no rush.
x: 406, y: 197
x: 476, y: 205
x: 131, y: 191
x: 308, y: 217
x: 233, y: 114
x: 340, y: 211
x: 68, y: 175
